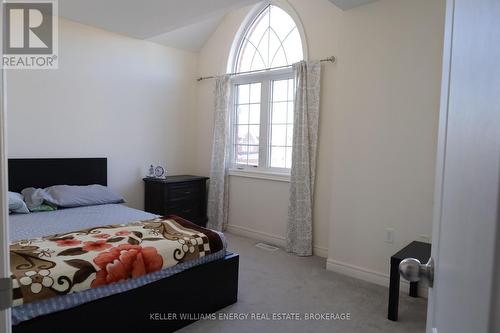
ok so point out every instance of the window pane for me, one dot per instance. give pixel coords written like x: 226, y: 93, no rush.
x: 280, y: 90
x: 289, y: 117
x: 253, y: 155
x: 274, y: 46
x: 279, y: 58
x: 289, y: 135
x: 255, y: 93
x: 291, y: 90
x: 279, y: 113
x: 253, y: 137
x: 247, y: 124
x: 278, y: 135
x: 241, y: 154
x: 242, y: 134
x: 242, y: 114
x: 281, y: 22
x: 293, y: 52
x: 243, y: 94
x: 278, y: 157
x: 262, y: 52
x: 258, y: 62
x: 259, y: 27
x: 255, y: 114
x: 245, y: 57
x: 288, y: 157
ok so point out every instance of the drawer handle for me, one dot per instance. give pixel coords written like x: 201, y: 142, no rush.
x: 186, y: 210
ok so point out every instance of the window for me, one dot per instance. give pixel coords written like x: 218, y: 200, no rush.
x: 262, y: 122
x: 281, y: 124
x: 272, y: 40
x: 247, y: 125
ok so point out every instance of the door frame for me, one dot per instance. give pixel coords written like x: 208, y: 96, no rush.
x: 5, y: 316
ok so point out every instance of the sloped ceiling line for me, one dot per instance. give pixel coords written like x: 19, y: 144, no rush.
x: 184, y: 24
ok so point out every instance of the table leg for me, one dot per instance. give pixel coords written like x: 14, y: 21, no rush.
x: 414, y: 289
x: 394, y: 291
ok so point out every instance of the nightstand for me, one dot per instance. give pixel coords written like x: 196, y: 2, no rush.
x: 184, y: 196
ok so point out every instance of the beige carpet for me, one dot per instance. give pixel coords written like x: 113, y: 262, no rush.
x: 276, y: 282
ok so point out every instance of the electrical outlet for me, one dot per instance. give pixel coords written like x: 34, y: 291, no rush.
x: 389, y: 235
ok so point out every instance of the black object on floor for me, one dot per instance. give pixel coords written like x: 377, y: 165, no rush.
x: 417, y: 250
x: 162, y: 306
x: 184, y: 196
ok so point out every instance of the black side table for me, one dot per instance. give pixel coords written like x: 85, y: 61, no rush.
x: 417, y: 250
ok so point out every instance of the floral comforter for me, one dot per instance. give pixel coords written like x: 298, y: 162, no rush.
x: 66, y: 263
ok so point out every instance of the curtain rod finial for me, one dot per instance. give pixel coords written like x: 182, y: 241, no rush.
x: 332, y: 59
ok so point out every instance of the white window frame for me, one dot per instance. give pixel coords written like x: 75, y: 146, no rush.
x: 263, y: 170
x: 278, y: 174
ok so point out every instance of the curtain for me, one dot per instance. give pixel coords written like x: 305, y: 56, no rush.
x: 218, y: 190
x: 303, y: 173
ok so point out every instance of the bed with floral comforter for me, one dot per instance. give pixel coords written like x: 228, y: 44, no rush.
x: 62, y: 264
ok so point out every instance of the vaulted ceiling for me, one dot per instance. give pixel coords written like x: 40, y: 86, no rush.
x: 146, y: 18
x: 185, y: 24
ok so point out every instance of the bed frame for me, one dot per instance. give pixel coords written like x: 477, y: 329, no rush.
x: 162, y: 306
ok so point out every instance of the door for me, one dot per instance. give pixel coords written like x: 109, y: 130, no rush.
x: 4, y: 258
x: 466, y: 216
x: 5, y: 289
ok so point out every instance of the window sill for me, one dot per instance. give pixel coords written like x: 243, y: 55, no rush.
x: 267, y: 175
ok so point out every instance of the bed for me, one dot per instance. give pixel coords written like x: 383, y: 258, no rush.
x: 162, y: 301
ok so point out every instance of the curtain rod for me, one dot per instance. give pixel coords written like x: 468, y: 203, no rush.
x: 331, y: 59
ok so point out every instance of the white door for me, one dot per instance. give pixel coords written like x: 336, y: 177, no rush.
x: 465, y: 234
x: 4, y: 258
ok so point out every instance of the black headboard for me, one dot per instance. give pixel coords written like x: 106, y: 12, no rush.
x: 45, y: 172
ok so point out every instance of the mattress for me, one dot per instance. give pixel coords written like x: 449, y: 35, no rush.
x: 26, y: 226
x: 32, y: 225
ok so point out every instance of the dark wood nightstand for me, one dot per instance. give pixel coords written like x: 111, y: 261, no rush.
x: 184, y: 196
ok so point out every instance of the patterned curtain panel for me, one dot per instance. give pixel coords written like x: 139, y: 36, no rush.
x: 218, y: 191
x: 305, y: 140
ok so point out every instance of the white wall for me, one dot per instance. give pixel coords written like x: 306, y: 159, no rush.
x: 384, y: 132
x: 112, y: 96
x: 379, y: 108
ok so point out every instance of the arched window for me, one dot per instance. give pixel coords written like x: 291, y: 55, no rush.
x: 262, y: 121
x: 272, y: 40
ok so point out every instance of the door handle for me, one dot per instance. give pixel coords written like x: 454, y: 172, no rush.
x: 413, y: 270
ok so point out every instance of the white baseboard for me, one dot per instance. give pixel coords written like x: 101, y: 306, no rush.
x: 369, y: 276
x: 331, y: 265
x: 357, y: 272
x: 319, y: 251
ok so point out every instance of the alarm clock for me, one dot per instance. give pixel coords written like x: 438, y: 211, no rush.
x: 160, y: 172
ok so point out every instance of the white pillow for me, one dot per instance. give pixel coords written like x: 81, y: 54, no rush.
x: 66, y: 196
x: 17, y: 204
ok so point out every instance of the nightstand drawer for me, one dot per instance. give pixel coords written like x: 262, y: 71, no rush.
x: 187, y: 210
x: 182, y: 192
